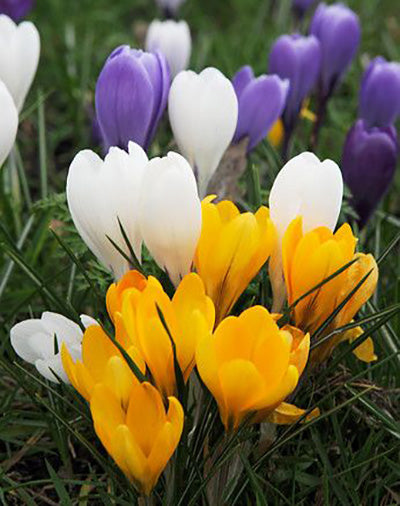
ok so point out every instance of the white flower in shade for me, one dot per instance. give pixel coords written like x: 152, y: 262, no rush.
x: 203, y: 112
x: 38, y: 341
x: 170, y: 214
x: 19, y: 57
x: 100, y: 193
x: 304, y: 187
x: 173, y: 39
x: 170, y: 5
x: 8, y: 122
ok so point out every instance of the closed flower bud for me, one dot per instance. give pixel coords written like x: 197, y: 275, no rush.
x: 131, y: 95
x: 16, y: 9
x: 99, y: 193
x: 311, y: 257
x: 261, y: 103
x: 380, y: 93
x: 232, y: 249
x: 173, y: 39
x: 298, y: 59
x: 203, y: 112
x: 8, y: 123
x: 142, y: 437
x: 19, y: 57
x: 368, y: 166
x: 304, y: 187
x: 250, y: 365
x: 170, y: 214
x: 338, y: 30
x: 38, y: 341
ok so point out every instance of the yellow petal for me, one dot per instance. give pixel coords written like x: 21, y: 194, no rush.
x: 275, y: 135
x: 288, y: 413
x: 132, y: 279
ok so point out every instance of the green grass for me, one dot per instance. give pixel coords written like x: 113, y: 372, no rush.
x: 48, y: 451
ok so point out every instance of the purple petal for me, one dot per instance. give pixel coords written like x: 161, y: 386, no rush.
x: 16, y: 9
x: 241, y: 79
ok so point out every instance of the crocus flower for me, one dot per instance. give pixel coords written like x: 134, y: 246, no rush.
x: 8, y: 122
x: 311, y: 257
x: 232, y: 249
x: 187, y: 315
x: 19, y: 57
x: 101, y: 192
x: 298, y: 59
x: 38, y: 341
x: 380, y: 93
x: 170, y: 7
x: 368, y: 166
x: 141, y: 438
x: 250, y: 365
x: 173, y: 39
x: 16, y: 9
x: 300, y: 7
x: 261, y: 103
x: 304, y: 187
x: 170, y: 214
x: 203, y: 112
x: 338, y: 30
x: 131, y: 95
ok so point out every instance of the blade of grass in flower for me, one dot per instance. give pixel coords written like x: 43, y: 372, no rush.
x: 42, y: 146
x: 134, y: 261
x: 254, y: 187
x: 393, y: 243
x: 180, y: 382
x: 254, y: 480
x: 337, y: 310
x: 58, y: 485
x: 120, y: 251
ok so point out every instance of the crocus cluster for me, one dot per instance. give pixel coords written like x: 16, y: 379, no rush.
x: 248, y: 359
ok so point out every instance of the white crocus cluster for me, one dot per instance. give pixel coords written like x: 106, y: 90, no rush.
x: 155, y: 201
x: 19, y: 58
x: 304, y: 187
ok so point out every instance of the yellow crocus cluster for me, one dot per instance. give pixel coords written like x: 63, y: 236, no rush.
x: 308, y: 259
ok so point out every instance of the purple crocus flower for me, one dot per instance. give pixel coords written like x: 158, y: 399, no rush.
x: 368, y: 166
x: 298, y: 59
x: 261, y: 102
x: 300, y: 7
x: 338, y: 29
x: 380, y: 93
x: 131, y: 96
x: 16, y: 9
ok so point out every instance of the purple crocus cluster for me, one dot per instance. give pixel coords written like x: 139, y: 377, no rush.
x: 16, y: 9
x: 371, y: 147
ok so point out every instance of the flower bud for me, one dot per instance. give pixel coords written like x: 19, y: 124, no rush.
x: 261, y: 103
x: 173, y: 40
x: 99, y: 193
x: 338, y: 30
x: 170, y: 7
x: 19, y: 57
x: 8, y: 122
x: 368, y: 166
x: 380, y: 93
x: 38, y: 341
x: 203, y: 112
x: 131, y: 95
x: 170, y: 214
x: 298, y: 59
x: 16, y: 9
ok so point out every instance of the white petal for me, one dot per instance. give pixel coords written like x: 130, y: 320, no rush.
x: 173, y: 39
x: 87, y: 321
x: 19, y: 57
x: 170, y: 214
x: 307, y: 187
x: 28, y: 339
x: 99, y: 193
x: 203, y: 111
x: 45, y: 368
x: 64, y: 329
x: 8, y: 122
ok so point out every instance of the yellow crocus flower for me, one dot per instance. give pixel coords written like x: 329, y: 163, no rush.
x: 102, y: 362
x: 186, y: 316
x: 233, y: 247
x: 132, y: 279
x: 308, y: 259
x: 250, y: 365
x: 141, y: 438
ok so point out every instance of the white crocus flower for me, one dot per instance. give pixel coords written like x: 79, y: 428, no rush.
x: 38, y: 341
x: 100, y: 193
x: 8, y: 122
x: 304, y: 187
x: 173, y: 39
x: 170, y: 214
x: 203, y: 112
x: 19, y: 57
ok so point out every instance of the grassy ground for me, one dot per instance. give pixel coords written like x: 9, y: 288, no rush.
x: 351, y: 455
